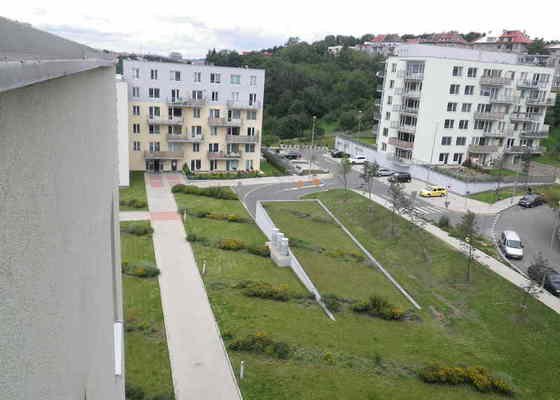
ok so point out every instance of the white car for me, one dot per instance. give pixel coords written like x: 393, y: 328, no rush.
x: 358, y: 160
x: 511, y: 244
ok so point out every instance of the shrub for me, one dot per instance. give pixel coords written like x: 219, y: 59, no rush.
x: 143, y: 270
x: 133, y: 203
x: 443, y: 221
x: 133, y: 392
x: 281, y: 350
x: 329, y: 358
x: 262, y: 251
x: 377, y: 306
x: 216, y: 192
x: 192, y: 238
x: 231, y: 244
x: 261, y: 343
x: 137, y: 229
x: 332, y: 302
x: 265, y: 290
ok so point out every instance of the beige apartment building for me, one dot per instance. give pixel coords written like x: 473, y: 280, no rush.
x: 206, y: 117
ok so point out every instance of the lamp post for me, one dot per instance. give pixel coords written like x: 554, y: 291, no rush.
x: 359, y: 121
x: 312, y: 142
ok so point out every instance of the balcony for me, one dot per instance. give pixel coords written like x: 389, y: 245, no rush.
x: 377, y: 115
x: 162, y: 155
x: 492, y: 115
x: 224, y: 122
x: 494, y: 81
x: 502, y: 99
x: 220, y: 155
x: 242, y: 139
x: 482, y: 149
x: 408, y: 93
x: 239, y: 105
x: 184, y: 138
x: 411, y: 76
x: 403, y: 128
x: 498, y: 134
x: 393, y: 141
x: 380, y: 74
x: 535, y: 134
x: 526, y: 117
x: 183, y: 102
x: 165, y: 121
x: 524, y: 150
x: 532, y: 84
x: 409, y: 110
x: 543, y: 101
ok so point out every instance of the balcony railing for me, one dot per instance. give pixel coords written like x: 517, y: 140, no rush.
x: 220, y: 155
x: 409, y: 75
x: 535, y: 134
x: 524, y: 149
x: 409, y: 110
x: 243, y: 105
x: 482, y: 149
x: 407, y: 92
x: 162, y: 155
x: 532, y: 84
x: 165, y: 121
x: 543, y: 101
x: 502, y: 99
x: 184, y: 138
x: 524, y: 116
x: 403, y: 128
x: 224, y: 122
x: 492, y: 115
x: 393, y: 141
x: 497, y: 133
x: 494, y: 80
x: 242, y: 139
x: 186, y: 102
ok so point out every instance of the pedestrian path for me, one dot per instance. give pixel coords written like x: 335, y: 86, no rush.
x: 199, y: 362
x: 134, y: 216
x: 177, y: 178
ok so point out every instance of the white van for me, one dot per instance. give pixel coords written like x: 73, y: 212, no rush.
x: 511, y: 244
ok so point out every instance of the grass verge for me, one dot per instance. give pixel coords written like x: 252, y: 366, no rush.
x: 490, y: 197
x: 133, y: 198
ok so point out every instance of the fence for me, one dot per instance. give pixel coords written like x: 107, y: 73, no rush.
x: 279, y: 161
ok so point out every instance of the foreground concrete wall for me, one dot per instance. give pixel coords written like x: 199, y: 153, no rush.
x: 60, y: 285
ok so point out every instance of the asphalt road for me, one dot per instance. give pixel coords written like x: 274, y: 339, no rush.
x: 534, y: 226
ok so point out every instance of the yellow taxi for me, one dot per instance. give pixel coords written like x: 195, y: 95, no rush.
x: 434, y: 191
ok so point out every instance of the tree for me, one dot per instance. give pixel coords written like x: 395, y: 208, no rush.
x: 538, y: 46
x: 398, y: 202
x: 348, y: 121
x: 344, y: 170
x: 467, y: 231
x: 552, y: 198
x: 368, y: 174
x: 499, y: 164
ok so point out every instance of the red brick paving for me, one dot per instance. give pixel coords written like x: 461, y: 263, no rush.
x: 164, y: 216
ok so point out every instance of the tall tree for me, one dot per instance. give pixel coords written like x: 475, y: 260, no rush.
x: 398, y: 202
x: 468, y: 230
x: 370, y: 170
x: 344, y: 170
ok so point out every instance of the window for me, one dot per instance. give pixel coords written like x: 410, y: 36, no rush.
x: 471, y: 73
x: 135, y: 110
x: 214, y: 131
x: 153, y: 129
x: 213, y: 165
x: 154, y: 146
x: 449, y: 123
x: 466, y: 107
x: 174, y: 130
x: 197, y: 77
x: 196, y: 130
x: 389, y: 100
x: 175, y: 75
x: 251, y: 131
x: 214, y: 113
x: 469, y: 90
x: 196, y: 165
x: 383, y: 146
x: 214, y: 96
x: 249, y: 148
x: 454, y: 89
x: 464, y: 124
x: 153, y: 111
x: 252, y: 99
x: 235, y: 79
x: 461, y: 141
x: 135, y: 128
x: 196, y: 147
x: 385, y: 131
x: 153, y: 93
x: 251, y: 115
x: 213, y: 147
x: 235, y: 96
x: 153, y: 74
x: 196, y: 112
x: 452, y: 107
x: 215, y: 78
x: 136, y: 73
x: 387, y: 116
x: 394, y: 67
x: 249, y: 165
x: 458, y: 158
x: 446, y: 141
x: 457, y: 71
x: 391, y: 84
x: 135, y: 91
x: 253, y: 80
x: 136, y: 146
x: 197, y: 94
x: 443, y: 157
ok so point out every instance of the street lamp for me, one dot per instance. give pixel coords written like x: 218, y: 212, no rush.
x: 359, y: 121
x: 312, y: 142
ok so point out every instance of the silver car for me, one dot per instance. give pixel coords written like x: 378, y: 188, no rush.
x: 511, y: 244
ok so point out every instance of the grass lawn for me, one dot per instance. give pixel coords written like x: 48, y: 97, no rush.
x: 359, y: 357
x: 136, y: 191
x: 500, y: 172
x: 270, y: 170
x: 549, y: 159
x: 147, y: 357
x: 505, y: 193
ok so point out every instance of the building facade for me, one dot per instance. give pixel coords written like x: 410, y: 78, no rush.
x: 442, y: 105
x: 206, y: 117
x: 60, y: 280
x: 511, y: 41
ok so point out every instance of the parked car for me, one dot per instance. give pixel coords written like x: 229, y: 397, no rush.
x: 292, y: 155
x: 511, y: 244
x: 384, y: 172
x: 531, y: 200
x: 401, y: 177
x: 358, y: 160
x: 339, y: 154
x: 552, y: 283
x: 434, y: 191
x: 548, y: 277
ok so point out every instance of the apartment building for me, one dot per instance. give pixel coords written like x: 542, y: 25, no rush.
x: 61, y: 329
x: 206, y: 117
x: 442, y: 105
x: 513, y: 41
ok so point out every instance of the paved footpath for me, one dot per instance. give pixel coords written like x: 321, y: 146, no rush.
x: 200, y: 366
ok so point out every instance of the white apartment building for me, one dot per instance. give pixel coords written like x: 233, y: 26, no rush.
x: 204, y: 116
x: 442, y: 105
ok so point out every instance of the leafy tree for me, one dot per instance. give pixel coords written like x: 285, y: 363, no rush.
x: 344, y: 170
x: 398, y: 201
x: 348, y: 121
x: 537, y: 47
x: 468, y: 230
x: 472, y: 36
x: 368, y: 175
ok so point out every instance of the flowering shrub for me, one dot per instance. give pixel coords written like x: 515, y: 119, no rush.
x: 140, y: 271
x: 377, y: 306
x: 231, y: 244
x: 265, y: 290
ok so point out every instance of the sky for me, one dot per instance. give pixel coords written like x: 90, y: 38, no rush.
x: 192, y: 28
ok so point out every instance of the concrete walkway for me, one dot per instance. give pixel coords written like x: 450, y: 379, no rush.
x: 498, y: 267
x: 260, y: 181
x: 134, y: 216
x: 200, y: 366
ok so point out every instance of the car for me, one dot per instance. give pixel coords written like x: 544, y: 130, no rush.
x: 511, y: 244
x: 552, y: 283
x: 531, y: 200
x: 292, y: 155
x: 358, y: 160
x: 434, y: 191
x: 338, y: 154
x: 545, y: 276
x: 384, y: 172
x: 400, y: 177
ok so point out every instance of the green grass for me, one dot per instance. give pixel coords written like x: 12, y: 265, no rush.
x: 549, y: 159
x: 500, y: 172
x: 270, y: 170
x: 147, y: 356
x: 505, y: 193
x: 366, y: 140
x: 136, y: 190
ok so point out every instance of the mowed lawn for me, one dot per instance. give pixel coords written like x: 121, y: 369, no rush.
x: 270, y: 170
x: 136, y: 191
x: 147, y: 357
x: 359, y: 357
x: 505, y: 193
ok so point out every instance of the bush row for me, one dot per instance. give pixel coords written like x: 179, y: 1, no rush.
x: 215, y: 192
x: 478, y: 377
x: 133, y: 392
x: 224, y: 175
x: 133, y: 203
x: 142, y: 270
x: 137, y: 229
x: 261, y: 343
x: 217, y: 216
x: 264, y: 290
x: 336, y: 253
x: 230, y: 245
x: 377, y: 306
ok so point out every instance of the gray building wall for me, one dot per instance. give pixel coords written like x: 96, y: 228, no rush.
x: 60, y: 281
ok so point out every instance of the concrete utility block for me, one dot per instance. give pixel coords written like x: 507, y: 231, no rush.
x: 279, y: 259
x: 284, y: 246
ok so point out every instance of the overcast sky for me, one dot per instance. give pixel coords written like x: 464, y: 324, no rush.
x: 192, y: 27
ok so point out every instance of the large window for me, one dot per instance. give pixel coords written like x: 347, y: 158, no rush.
x: 153, y: 93
x: 154, y: 74
x: 454, y: 89
x: 446, y: 141
x: 457, y: 71
x: 449, y: 123
x: 235, y: 79
x: 215, y: 78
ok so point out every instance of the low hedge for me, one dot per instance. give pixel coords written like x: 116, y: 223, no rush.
x: 377, y: 306
x: 264, y: 290
x: 133, y: 203
x: 142, y: 270
x: 137, y: 229
x: 133, y: 392
x: 217, y: 216
x: 478, y: 377
x: 215, y: 192
x: 231, y: 244
x: 224, y: 175
x: 261, y: 343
